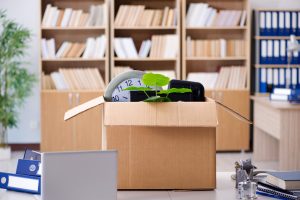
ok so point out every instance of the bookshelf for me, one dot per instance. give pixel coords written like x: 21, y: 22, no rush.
x: 77, y: 134
x: 139, y: 33
x: 233, y: 135
x: 272, y: 70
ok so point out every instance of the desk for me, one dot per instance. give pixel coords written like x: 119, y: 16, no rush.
x: 225, y: 190
x: 277, y: 132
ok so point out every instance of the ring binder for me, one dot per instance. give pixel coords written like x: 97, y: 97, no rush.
x: 20, y: 183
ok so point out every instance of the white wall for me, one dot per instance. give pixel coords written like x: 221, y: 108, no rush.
x: 27, y: 13
x: 295, y: 4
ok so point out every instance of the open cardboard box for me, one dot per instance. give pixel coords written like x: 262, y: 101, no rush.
x: 160, y: 145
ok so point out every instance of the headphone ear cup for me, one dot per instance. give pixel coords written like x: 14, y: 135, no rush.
x: 198, y: 91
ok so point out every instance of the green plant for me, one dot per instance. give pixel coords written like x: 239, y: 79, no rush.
x: 15, y: 82
x: 155, y: 81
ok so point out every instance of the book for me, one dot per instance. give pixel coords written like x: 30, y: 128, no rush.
x: 45, y: 54
x: 267, y: 190
x: 139, y: 15
x: 145, y: 49
x: 215, y: 48
x: 285, y: 180
x: 74, y: 79
x: 125, y: 48
x: 46, y: 15
x: 203, y: 15
x: 207, y: 79
x: 66, y: 18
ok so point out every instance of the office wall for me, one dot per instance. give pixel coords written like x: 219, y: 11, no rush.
x: 28, y: 13
x: 275, y: 3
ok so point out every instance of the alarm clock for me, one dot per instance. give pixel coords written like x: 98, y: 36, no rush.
x: 115, y: 90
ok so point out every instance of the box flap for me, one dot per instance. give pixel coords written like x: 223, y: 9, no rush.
x: 175, y: 114
x: 83, y: 107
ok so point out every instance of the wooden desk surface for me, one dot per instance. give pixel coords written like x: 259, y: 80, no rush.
x: 225, y: 190
x: 275, y: 104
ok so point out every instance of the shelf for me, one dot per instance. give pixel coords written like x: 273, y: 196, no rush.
x: 73, y: 28
x: 61, y: 91
x: 275, y: 66
x: 227, y: 90
x: 216, y: 59
x: 277, y: 9
x: 258, y: 94
x: 146, y: 59
x: 146, y: 28
x: 217, y: 28
x: 274, y: 37
x: 75, y: 59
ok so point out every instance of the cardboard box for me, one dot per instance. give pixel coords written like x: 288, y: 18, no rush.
x: 161, y: 145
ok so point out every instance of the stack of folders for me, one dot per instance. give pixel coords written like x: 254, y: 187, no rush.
x: 161, y: 46
x: 138, y: 15
x: 92, y: 48
x: 281, y: 185
x: 286, y: 94
x: 234, y: 77
x: 27, y: 177
x: 54, y: 17
x: 279, y: 23
x: 270, y: 78
x: 74, y: 79
x: 201, y: 15
x: 275, y: 52
x: 215, y: 48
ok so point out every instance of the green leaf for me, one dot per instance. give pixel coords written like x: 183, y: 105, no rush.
x: 157, y: 99
x: 175, y: 90
x: 151, y: 79
x: 133, y: 88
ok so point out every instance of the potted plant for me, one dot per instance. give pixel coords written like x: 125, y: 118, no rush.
x: 15, y: 82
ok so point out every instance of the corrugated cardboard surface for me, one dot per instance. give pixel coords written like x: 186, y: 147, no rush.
x: 164, y: 157
x: 173, y: 114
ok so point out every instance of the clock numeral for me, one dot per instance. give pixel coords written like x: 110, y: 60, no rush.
x: 139, y: 81
x: 120, y: 89
x: 116, y: 98
x: 129, y: 83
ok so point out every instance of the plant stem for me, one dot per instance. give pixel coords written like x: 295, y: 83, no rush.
x: 146, y: 93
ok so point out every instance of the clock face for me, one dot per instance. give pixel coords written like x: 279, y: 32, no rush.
x: 121, y: 95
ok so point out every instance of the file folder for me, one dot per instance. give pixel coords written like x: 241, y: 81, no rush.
x: 281, y: 23
x: 20, y: 183
x: 274, y: 23
x: 294, y: 78
x: 269, y: 80
x: 283, y: 59
x: 288, y: 78
x: 32, y: 155
x: 270, y: 52
x: 29, y: 167
x: 287, y: 24
x: 298, y: 85
x: 263, y: 52
x: 268, y: 24
x: 281, y: 78
x: 298, y: 29
x: 263, y: 80
x: 262, y: 23
x: 294, y: 23
x: 276, y: 56
x: 295, y: 58
x: 275, y: 78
